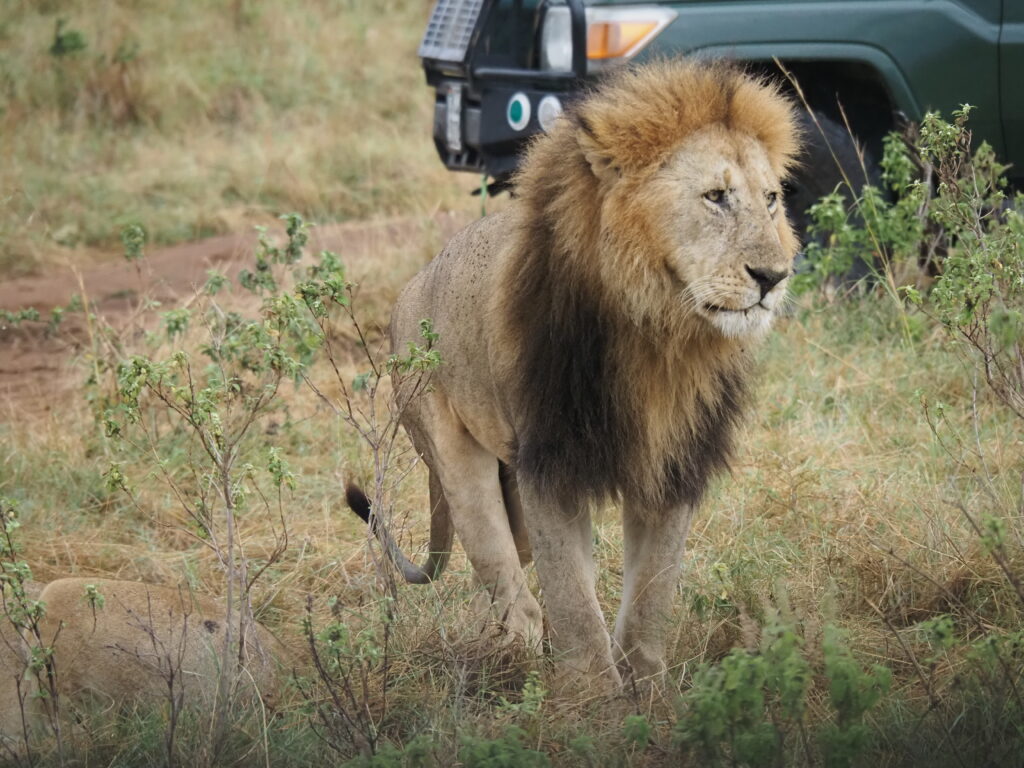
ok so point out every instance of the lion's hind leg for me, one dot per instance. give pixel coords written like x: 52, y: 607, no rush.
x: 467, y: 480
x: 514, y: 507
x: 441, y: 531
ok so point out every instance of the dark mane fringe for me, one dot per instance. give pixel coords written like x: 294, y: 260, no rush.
x: 707, y: 448
x: 569, y: 430
x: 579, y: 433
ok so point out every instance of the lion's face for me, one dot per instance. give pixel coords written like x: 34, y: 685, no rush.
x: 730, y: 249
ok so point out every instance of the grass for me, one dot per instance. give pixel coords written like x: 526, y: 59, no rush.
x: 840, y: 505
x: 843, y: 508
x: 201, y: 118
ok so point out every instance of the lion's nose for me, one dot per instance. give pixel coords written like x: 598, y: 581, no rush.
x: 767, y: 278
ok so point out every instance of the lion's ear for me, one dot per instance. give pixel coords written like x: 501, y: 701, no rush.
x: 601, y: 161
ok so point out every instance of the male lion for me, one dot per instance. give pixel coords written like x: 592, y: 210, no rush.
x: 596, y: 339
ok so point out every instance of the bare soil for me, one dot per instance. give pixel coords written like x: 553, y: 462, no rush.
x: 37, y: 365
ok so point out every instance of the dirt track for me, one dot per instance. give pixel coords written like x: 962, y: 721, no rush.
x: 35, y: 366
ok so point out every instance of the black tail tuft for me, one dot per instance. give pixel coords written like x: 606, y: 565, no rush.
x: 412, y: 573
x: 357, y: 502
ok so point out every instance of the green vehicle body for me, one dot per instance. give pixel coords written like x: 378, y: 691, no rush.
x: 883, y: 61
x: 909, y: 55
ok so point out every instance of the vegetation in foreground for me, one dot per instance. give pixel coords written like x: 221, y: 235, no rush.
x: 852, y: 594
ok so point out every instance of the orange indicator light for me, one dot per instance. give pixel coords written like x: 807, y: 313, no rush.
x: 615, y: 39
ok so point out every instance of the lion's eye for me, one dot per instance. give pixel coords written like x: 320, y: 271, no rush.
x: 715, y: 195
x: 773, y: 201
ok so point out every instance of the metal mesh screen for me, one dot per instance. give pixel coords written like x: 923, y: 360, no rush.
x: 449, y: 30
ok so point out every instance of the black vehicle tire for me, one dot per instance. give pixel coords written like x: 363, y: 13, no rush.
x: 829, y: 153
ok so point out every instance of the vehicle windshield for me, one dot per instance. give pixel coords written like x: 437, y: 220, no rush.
x: 509, y: 35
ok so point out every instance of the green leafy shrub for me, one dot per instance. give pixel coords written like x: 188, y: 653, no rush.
x: 853, y: 692
x: 947, y: 212
x: 750, y: 708
x: 23, y: 635
x: 884, y: 228
x: 979, y: 295
x: 505, y: 752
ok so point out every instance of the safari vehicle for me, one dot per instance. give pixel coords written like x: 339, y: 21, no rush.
x: 504, y: 69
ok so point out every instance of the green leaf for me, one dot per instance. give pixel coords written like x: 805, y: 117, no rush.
x: 133, y: 237
x: 361, y: 382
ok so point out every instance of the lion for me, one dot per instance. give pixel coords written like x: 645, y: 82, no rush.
x: 131, y: 642
x: 596, y: 342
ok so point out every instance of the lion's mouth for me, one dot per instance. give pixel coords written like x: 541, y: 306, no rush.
x: 717, y: 308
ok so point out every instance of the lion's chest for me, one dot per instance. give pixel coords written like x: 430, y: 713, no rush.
x: 654, y: 436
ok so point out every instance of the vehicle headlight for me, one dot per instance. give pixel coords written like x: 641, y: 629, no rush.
x: 614, y: 34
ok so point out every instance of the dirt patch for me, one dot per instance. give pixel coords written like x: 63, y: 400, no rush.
x: 36, y: 366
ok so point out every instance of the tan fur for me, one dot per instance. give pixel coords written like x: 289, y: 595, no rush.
x: 595, y: 340
x: 126, y: 650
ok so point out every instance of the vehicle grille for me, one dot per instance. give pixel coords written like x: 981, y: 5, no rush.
x: 450, y: 29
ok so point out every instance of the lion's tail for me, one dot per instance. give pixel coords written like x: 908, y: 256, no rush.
x: 440, y: 535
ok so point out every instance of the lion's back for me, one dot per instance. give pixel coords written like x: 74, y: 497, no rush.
x: 456, y: 291
x: 453, y: 290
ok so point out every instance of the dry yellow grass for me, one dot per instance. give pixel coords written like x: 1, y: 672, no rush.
x: 204, y: 118
x: 840, y: 502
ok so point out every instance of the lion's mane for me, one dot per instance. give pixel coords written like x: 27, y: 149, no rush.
x: 616, y: 390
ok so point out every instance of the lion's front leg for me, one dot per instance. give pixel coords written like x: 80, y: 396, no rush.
x: 562, y: 546
x: 653, y: 551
